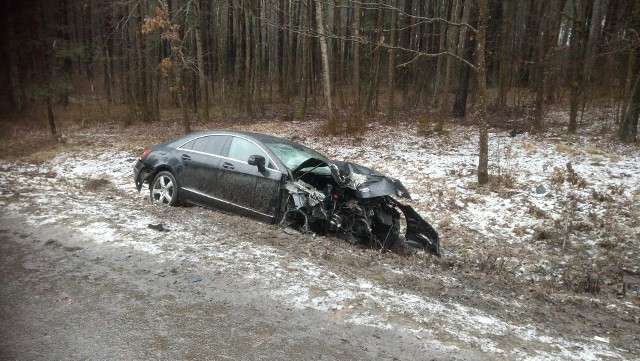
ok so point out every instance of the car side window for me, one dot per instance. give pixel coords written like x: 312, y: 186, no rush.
x: 241, y: 149
x: 211, y: 144
x: 187, y: 145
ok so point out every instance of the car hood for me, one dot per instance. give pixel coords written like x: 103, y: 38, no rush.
x: 367, y: 182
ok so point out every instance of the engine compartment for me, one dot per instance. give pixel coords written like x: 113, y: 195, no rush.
x: 355, y: 206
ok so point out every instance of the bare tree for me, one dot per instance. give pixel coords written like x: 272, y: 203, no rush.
x: 392, y: 62
x: 579, y: 34
x: 629, y: 125
x: 357, y: 34
x: 379, y: 44
x: 326, y: 76
x: 202, y: 79
x: 460, y: 104
x: 483, y: 158
x: 171, y: 67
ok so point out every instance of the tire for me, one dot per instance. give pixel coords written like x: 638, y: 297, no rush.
x: 164, y: 189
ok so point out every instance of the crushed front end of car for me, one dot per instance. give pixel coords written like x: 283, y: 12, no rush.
x: 355, y: 203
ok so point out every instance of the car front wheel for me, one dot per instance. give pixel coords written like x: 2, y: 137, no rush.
x: 164, y: 189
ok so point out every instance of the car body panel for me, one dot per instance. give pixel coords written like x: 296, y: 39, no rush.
x: 200, y: 174
x: 200, y: 160
x: 244, y: 187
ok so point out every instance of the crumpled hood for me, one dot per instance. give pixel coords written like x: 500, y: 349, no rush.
x: 367, y: 183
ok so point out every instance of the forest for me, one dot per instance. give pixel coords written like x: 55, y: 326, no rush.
x: 358, y: 62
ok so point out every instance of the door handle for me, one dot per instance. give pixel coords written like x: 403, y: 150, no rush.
x: 185, y: 157
x: 227, y: 165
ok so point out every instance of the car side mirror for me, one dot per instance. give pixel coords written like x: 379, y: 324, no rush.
x: 258, y: 161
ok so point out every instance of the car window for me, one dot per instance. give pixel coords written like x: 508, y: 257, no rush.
x: 211, y: 144
x: 292, y: 155
x: 241, y: 149
x: 187, y: 145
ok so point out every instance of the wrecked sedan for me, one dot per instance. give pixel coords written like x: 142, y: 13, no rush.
x: 278, y: 180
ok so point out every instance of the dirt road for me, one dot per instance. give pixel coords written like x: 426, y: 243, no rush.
x: 66, y: 298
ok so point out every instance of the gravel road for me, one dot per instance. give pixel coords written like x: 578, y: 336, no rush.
x: 67, y: 298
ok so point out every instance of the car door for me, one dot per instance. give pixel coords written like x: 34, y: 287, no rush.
x: 201, y: 167
x: 244, y: 187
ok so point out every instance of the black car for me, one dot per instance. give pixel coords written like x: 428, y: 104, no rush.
x: 277, y: 180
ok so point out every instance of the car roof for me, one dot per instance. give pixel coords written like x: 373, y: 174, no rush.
x: 265, y: 138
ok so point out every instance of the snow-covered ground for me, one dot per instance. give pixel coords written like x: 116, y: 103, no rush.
x: 581, y: 192
x: 542, y: 221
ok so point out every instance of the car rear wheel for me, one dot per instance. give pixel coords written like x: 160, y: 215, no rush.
x: 164, y: 189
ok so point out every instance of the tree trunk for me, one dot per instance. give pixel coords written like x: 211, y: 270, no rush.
x: 11, y: 91
x: 438, y: 91
x: 541, y: 63
x: 372, y: 100
x: 237, y: 46
x: 452, y: 35
x: 591, y: 38
x: 182, y: 95
x: 405, y: 42
x: 392, y: 63
x: 286, y: 52
x: 152, y: 58
x: 143, y: 96
x: 460, y: 104
x: 257, y: 63
x: 483, y: 161
x: 107, y: 68
x: 248, y: 94
x: 277, y: 48
x: 357, y: 34
x: 337, y: 58
x: 577, y: 50
x: 202, y: 80
x: 504, y: 69
x: 52, y: 122
x: 551, y: 78
x: 356, y: 61
x: 306, y: 44
x: 629, y: 126
x: 326, y: 77
x: 224, y: 63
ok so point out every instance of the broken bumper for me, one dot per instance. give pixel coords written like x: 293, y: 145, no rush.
x: 140, y: 174
x: 420, y: 233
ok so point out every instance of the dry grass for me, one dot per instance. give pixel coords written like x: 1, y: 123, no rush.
x: 567, y: 149
x: 593, y: 149
x: 95, y: 185
x: 445, y: 222
x: 429, y: 124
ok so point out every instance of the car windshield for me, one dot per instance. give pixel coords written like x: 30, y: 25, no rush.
x: 292, y: 155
